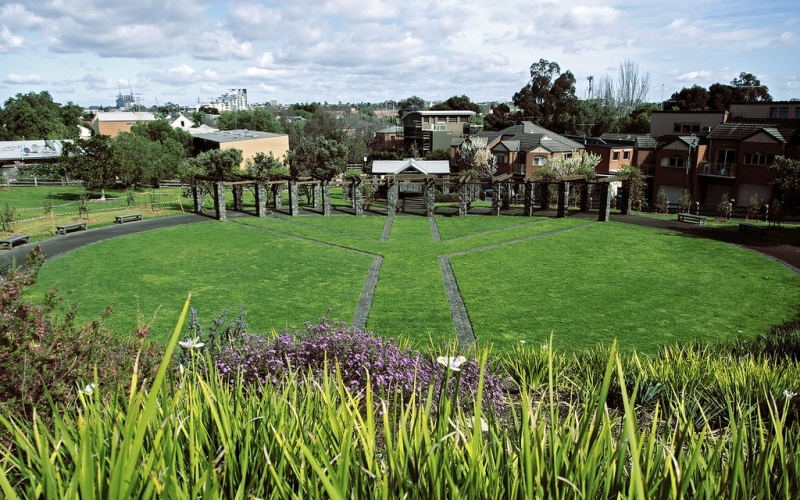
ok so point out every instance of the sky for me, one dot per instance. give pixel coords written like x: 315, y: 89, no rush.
x: 299, y: 51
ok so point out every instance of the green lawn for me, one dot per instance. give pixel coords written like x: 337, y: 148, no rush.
x: 645, y: 286
x: 279, y: 281
x: 521, y: 278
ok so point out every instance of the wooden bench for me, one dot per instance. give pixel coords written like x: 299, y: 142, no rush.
x: 700, y: 220
x: 19, y: 239
x: 73, y: 226
x: 753, y: 229
x: 121, y: 219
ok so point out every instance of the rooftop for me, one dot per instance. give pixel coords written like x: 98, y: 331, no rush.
x: 236, y: 135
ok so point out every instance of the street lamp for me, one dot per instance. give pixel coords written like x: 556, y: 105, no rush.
x: 692, y: 144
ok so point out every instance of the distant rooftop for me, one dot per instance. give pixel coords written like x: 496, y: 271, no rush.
x: 30, y: 150
x: 236, y: 135
x: 125, y: 116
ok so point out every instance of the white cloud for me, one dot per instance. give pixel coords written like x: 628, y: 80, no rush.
x: 15, y: 79
x: 694, y: 76
x: 10, y: 42
x: 787, y: 39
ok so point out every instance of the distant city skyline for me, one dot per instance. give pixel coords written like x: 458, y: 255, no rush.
x: 182, y: 51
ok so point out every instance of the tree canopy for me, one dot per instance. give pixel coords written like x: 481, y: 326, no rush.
x: 257, y: 119
x: 549, y: 98
x: 456, y: 103
x: 744, y: 88
x: 412, y: 103
x: 320, y: 156
x: 95, y: 160
x: 34, y: 116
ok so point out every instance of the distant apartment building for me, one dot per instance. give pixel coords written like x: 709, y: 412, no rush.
x: 232, y: 100
x: 714, y: 155
x: 426, y: 131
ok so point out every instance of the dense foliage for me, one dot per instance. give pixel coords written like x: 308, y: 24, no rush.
x: 35, y: 116
x: 46, y: 356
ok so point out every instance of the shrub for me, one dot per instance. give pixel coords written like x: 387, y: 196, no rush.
x: 45, y: 354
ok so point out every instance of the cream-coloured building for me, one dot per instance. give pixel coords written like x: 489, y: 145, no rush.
x: 249, y: 142
x: 114, y: 122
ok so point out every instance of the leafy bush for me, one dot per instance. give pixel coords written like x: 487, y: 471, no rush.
x: 45, y: 354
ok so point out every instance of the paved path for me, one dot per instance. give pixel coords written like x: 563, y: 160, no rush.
x: 387, y: 229
x: 788, y: 255
x: 59, y: 245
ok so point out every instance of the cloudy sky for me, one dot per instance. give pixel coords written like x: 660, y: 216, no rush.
x: 376, y: 50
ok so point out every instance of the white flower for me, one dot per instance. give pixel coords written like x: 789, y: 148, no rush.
x: 789, y: 394
x: 484, y: 425
x: 192, y: 343
x: 452, y: 363
x: 89, y: 389
x: 522, y: 341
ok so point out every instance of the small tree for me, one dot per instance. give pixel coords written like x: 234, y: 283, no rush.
x: 662, y: 202
x: 685, y: 201
x: 724, y: 207
x: 636, y: 185
x: 478, y: 157
x: 7, y: 218
x: 754, y: 208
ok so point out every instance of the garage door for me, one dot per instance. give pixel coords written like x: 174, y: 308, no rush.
x: 673, y: 192
x: 714, y: 193
x: 747, y: 191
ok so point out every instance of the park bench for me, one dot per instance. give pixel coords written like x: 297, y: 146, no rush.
x: 73, y: 226
x: 700, y: 220
x: 753, y: 229
x: 19, y: 239
x: 127, y: 218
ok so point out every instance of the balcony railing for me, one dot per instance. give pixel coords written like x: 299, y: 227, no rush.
x: 718, y: 169
x: 648, y: 169
x: 517, y: 168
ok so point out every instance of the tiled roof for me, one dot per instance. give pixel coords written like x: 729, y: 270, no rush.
x: 528, y: 136
x: 786, y: 131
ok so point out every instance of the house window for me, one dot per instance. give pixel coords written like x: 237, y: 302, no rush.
x: 615, y: 155
x: 567, y: 155
x: 442, y: 119
x: 452, y: 119
x: 686, y: 128
x: 797, y: 113
x: 758, y: 159
x: 726, y: 156
x: 779, y: 112
x: 626, y: 155
x: 424, y: 119
x: 539, y: 161
x: 672, y: 161
x: 501, y: 158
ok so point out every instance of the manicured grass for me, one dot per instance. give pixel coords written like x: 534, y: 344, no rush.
x: 646, y: 287
x: 278, y: 281
x: 455, y: 227
x: 520, y: 278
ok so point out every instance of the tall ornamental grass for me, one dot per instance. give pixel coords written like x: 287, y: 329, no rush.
x: 196, y: 434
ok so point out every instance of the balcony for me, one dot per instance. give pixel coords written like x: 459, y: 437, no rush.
x: 517, y: 168
x: 718, y: 169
